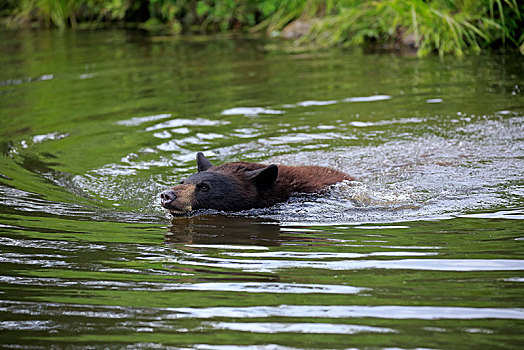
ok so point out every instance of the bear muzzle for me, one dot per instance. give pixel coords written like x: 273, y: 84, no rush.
x: 178, y: 199
x: 167, y: 198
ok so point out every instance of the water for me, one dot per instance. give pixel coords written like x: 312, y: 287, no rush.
x: 423, y: 250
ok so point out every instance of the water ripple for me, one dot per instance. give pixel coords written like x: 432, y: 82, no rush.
x: 245, y: 287
x: 250, y: 111
x: 387, y: 312
x: 405, y: 264
x: 178, y: 122
x: 290, y: 311
x: 300, y: 328
x: 135, y: 121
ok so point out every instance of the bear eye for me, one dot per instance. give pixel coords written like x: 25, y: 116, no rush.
x: 203, y: 187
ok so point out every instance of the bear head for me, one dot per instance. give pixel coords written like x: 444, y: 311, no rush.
x: 228, y: 187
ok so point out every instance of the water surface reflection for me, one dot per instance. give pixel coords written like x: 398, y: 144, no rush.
x: 423, y: 251
x: 223, y: 230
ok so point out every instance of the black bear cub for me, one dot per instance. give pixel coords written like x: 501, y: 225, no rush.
x: 241, y: 185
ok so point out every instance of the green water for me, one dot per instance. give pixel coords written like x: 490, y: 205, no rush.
x: 424, y: 250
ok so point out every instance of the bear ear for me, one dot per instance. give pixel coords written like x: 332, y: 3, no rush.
x: 202, y: 162
x: 264, y: 178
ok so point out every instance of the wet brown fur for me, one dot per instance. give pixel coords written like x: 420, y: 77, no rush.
x: 291, y: 179
x: 246, y: 194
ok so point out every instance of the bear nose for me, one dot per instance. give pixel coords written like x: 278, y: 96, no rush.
x: 167, y: 197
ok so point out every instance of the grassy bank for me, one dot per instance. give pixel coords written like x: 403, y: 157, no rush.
x: 442, y: 26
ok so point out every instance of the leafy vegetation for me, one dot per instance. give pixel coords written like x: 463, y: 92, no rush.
x: 443, y: 26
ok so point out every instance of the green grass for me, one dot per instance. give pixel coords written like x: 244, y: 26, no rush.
x: 442, y: 26
x: 447, y: 27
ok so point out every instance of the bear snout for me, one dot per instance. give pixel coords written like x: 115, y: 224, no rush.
x: 179, y: 199
x: 167, y: 198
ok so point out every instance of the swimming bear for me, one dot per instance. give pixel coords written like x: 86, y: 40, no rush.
x: 241, y: 185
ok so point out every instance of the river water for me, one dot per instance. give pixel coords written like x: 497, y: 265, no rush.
x: 424, y: 250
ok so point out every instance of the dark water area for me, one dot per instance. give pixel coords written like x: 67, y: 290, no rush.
x: 424, y: 250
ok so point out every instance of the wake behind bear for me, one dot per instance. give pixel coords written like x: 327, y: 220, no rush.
x: 241, y: 185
